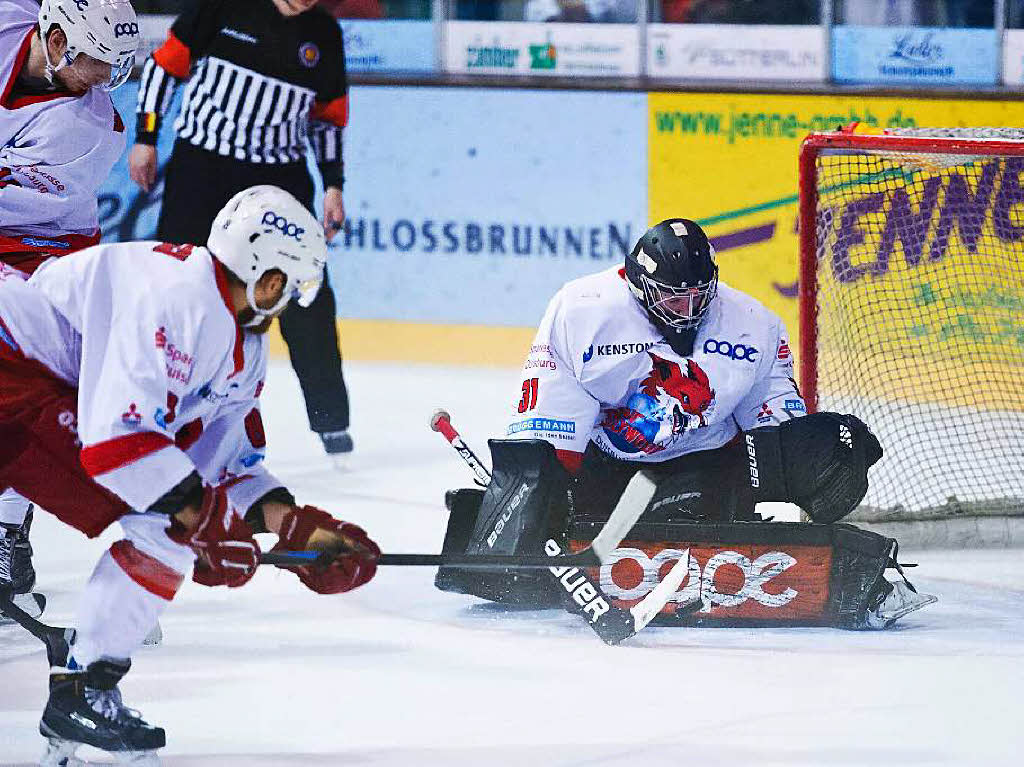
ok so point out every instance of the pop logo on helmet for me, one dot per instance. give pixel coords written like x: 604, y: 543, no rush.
x: 286, y: 227
x: 732, y: 351
x: 126, y: 30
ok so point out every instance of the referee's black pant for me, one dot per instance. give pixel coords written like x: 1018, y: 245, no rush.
x: 197, y: 184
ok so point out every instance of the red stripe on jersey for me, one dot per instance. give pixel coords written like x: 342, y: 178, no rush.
x: 150, y: 573
x: 120, y: 451
x: 27, y: 256
x: 222, y: 285
x: 335, y: 111
x: 174, y: 57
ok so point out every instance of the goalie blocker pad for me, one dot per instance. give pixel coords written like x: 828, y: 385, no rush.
x: 750, y: 573
x: 525, y: 503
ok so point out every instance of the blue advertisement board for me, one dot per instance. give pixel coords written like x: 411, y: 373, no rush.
x: 915, y: 55
x: 389, y: 46
x: 464, y: 205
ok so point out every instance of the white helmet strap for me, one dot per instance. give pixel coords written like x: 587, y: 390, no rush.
x: 262, y: 314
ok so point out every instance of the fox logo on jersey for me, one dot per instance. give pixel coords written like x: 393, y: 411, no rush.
x: 668, y: 403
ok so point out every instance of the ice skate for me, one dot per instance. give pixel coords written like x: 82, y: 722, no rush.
x: 85, y: 708
x: 897, y: 600
x: 338, y: 446
x: 17, y: 576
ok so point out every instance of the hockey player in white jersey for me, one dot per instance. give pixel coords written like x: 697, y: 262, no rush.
x: 657, y: 365
x: 59, y: 137
x: 129, y: 378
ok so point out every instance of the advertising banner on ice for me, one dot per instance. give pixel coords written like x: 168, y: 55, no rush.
x: 729, y: 161
x: 479, y: 216
x: 918, y: 55
x: 542, y: 49
x: 1013, y: 57
x: 389, y: 46
x: 736, y: 52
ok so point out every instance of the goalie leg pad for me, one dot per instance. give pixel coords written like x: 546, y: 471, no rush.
x: 525, y: 504
x: 755, y: 573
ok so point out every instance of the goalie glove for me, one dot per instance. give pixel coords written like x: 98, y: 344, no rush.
x: 226, y: 552
x: 355, y: 562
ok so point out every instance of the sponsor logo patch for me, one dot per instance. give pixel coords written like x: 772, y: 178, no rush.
x: 551, y: 425
x: 732, y: 351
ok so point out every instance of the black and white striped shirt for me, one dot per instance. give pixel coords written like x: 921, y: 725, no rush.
x: 259, y: 84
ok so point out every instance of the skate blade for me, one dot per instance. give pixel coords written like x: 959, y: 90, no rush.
x: 32, y: 603
x: 920, y: 600
x: 61, y: 753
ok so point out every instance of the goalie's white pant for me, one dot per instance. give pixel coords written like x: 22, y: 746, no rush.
x: 132, y: 585
x: 13, y: 508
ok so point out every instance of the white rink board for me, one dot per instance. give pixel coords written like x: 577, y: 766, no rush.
x: 1013, y: 57
x: 736, y: 52
x: 399, y: 674
x: 536, y: 48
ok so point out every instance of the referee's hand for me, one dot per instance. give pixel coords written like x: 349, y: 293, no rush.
x: 334, y: 212
x: 142, y: 165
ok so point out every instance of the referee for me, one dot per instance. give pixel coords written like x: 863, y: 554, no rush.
x: 263, y: 76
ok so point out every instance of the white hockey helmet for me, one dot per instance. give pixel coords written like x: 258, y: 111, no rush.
x: 107, y: 30
x: 262, y: 228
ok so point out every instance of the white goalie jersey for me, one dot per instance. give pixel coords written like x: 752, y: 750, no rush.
x: 599, y: 371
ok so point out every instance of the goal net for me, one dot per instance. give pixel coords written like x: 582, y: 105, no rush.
x: 912, y: 318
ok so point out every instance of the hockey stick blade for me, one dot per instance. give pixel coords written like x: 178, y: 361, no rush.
x: 647, y: 608
x: 56, y: 638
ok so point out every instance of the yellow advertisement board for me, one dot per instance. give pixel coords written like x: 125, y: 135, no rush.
x: 729, y: 161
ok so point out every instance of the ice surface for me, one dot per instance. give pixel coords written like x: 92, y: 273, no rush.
x: 398, y: 674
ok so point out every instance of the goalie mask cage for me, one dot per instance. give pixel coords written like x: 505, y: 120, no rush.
x: 912, y: 318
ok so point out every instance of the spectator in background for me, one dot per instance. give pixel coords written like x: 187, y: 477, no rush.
x: 754, y: 12
x: 353, y: 9
x: 263, y: 77
x: 892, y: 13
x: 676, y: 11
x: 602, y: 11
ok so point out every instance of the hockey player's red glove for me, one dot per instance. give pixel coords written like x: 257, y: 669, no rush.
x: 226, y: 552
x: 355, y: 563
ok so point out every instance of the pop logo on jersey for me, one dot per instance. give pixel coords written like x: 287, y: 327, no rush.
x: 126, y: 30
x: 732, y: 351
x: 81, y: 5
x: 282, y: 224
x: 784, y: 353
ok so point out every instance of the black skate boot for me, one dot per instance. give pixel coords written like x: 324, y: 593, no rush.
x: 22, y: 570
x: 85, y: 708
x: 17, y: 576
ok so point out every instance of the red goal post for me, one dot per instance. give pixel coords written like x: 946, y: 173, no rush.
x: 912, y: 316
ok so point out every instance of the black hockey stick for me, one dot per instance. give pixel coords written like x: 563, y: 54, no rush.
x: 629, y: 508
x: 56, y: 638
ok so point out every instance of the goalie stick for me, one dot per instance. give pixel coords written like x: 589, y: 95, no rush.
x: 611, y: 624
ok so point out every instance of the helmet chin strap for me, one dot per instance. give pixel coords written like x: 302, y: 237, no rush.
x: 262, y: 314
x: 50, y: 70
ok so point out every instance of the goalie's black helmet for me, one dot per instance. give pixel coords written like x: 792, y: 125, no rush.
x: 673, y: 274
